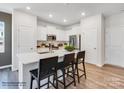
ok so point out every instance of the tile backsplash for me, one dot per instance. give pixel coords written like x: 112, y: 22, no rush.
x: 55, y: 44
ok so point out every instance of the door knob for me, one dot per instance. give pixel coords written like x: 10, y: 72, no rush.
x: 31, y: 48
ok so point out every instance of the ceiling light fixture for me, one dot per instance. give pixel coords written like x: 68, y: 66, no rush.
x: 65, y: 20
x: 83, y: 14
x: 28, y: 8
x: 50, y: 15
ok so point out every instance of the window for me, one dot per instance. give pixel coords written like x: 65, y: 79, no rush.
x: 2, y: 42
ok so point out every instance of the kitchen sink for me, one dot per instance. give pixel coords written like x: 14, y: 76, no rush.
x: 43, y: 52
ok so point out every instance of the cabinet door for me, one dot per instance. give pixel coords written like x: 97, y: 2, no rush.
x: 62, y: 35
x: 65, y: 37
x: 59, y: 35
x: 26, y: 42
x: 41, y: 34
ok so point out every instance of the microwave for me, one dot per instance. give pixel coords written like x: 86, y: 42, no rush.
x: 51, y: 37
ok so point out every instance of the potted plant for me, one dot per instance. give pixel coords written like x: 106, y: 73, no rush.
x: 69, y: 48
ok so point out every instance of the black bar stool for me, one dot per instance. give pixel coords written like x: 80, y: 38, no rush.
x: 80, y: 59
x: 63, y: 66
x: 47, y: 68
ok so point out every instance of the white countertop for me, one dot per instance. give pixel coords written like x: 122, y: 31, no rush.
x: 27, y: 58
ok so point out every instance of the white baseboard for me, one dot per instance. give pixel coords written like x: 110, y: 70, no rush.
x: 7, y: 66
x: 119, y: 65
x: 98, y: 65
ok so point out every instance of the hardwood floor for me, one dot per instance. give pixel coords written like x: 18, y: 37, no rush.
x: 105, y: 77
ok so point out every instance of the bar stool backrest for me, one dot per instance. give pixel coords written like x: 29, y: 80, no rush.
x: 47, y: 64
x: 69, y: 59
x: 81, y: 56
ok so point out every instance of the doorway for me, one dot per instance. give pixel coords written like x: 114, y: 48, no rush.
x: 5, y: 34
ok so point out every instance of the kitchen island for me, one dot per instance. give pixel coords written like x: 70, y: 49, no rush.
x: 29, y: 61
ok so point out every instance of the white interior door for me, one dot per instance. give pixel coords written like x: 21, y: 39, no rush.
x: 91, y: 45
x: 26, y: 39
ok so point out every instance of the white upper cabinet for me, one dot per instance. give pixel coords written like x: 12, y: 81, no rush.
x: 51, y: 30
x: 75, y: 30
x: 61, y: 35
x: 42, y: 33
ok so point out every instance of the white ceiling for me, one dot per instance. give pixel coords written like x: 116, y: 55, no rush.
x: 60, y: 11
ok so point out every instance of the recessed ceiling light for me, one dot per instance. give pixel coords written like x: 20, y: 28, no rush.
x: 50, y: 15
x: 28, y: 8
x: 65, y: 20
x: 83, y: 14
x: 66, y: 3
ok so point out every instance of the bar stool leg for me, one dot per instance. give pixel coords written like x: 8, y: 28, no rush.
x: 84, y: 70
x: 38, y: 82
x: 31, y: 82
x: 73, y: 75
x: 67, y: 72
x: 56, y: 81
x: 78, y: 73
x: 48, y: 82
x: 64, y: 78
x: 54, y: 78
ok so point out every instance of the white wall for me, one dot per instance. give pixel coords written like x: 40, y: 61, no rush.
x: 21, y: 19
x: 113, y: 36
x: 114, y: 28
x: 92, y: 38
